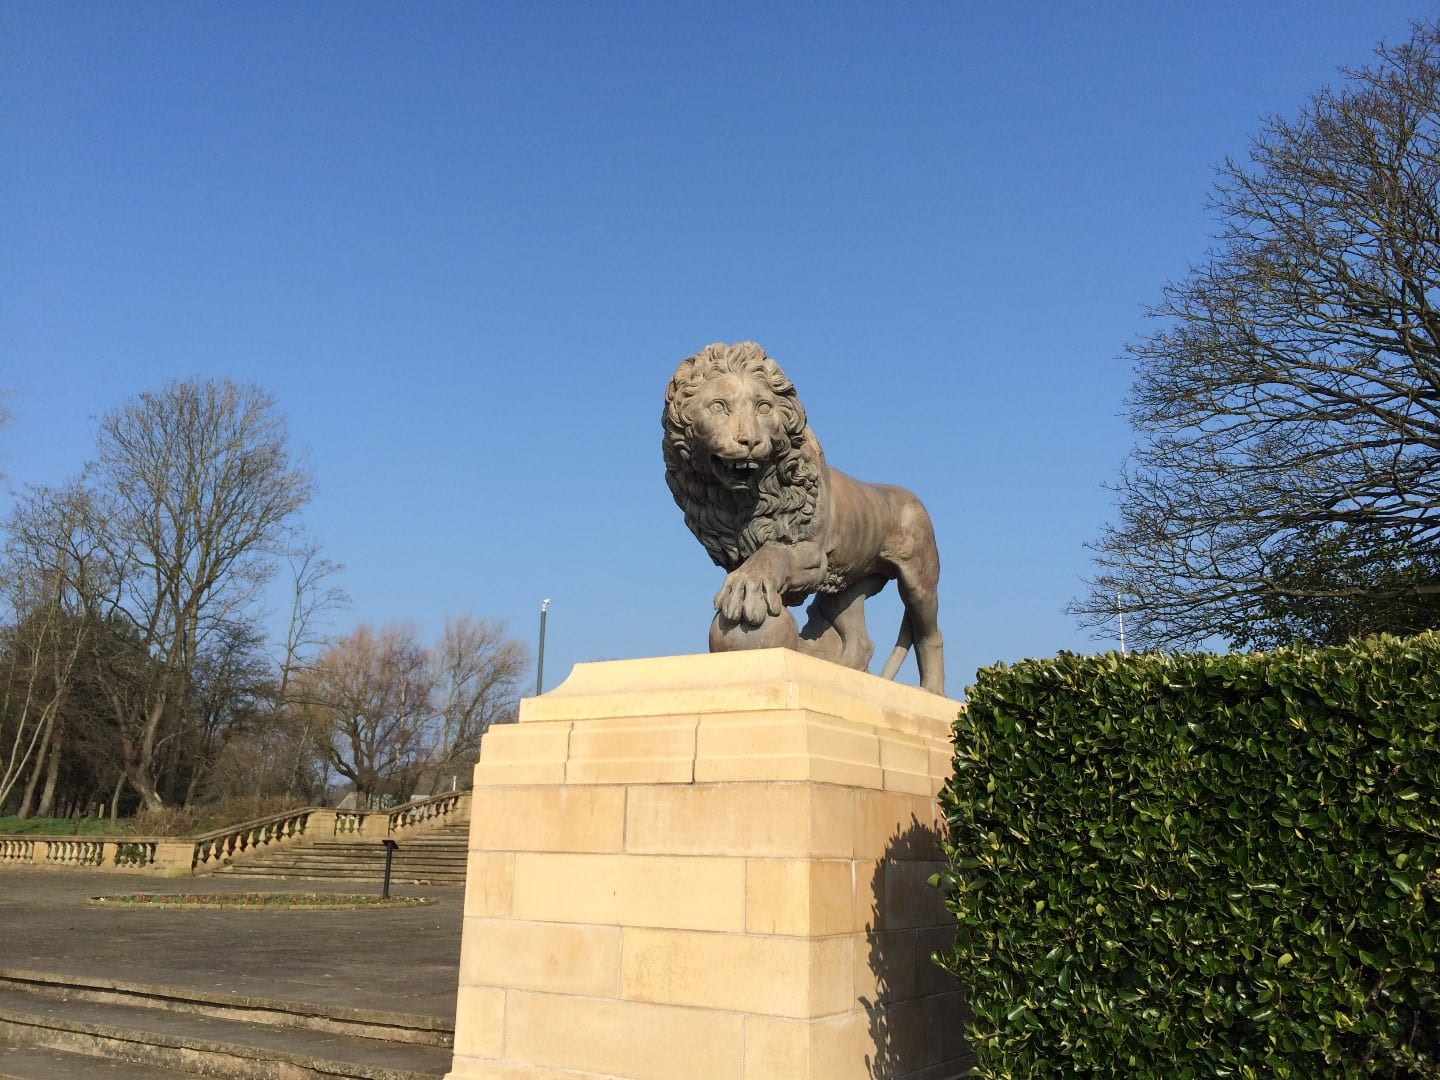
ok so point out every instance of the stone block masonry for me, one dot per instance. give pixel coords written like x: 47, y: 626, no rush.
x: 710, y: 868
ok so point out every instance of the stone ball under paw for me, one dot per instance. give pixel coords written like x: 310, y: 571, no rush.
x: 777, y: 632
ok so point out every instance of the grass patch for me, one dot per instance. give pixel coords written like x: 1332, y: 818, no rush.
x: 167, y: 821
x: 45, y: 826
x: 259, y: 901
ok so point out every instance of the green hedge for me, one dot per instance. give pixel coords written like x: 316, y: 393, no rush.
x: 1201, y: 866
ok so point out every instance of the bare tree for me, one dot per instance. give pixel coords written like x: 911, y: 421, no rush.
x: 313, y: 596
x: 1289, y: 407
x: 37, y: 657
x: 52, y: 572
x: 201, y: 490
x: 374, y: 690
x: 282, y: 755
x: 393, y: 708
x: 289, y: 744
x: 6, y: 418
x: 281, y: 749
x: 477, y: 669
x: 230, y: 693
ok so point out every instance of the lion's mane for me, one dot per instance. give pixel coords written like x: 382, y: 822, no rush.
x: 732, y: 525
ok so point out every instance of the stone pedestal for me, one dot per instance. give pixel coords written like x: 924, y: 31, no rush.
x: 710, y: 868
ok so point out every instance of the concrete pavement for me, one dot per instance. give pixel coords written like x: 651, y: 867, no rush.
x: 403, y: 960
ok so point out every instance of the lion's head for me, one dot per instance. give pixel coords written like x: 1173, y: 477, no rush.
x: 739, y: 457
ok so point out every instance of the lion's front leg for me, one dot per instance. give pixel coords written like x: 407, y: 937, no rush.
x: 756, y: 589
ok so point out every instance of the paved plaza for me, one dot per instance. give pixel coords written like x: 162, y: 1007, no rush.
x: 397, y: 961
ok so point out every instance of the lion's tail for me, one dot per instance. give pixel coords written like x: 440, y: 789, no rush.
x: 902, y: 646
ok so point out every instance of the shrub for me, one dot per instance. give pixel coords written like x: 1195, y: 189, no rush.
x: 202, y: 818
x: 1201, y: 866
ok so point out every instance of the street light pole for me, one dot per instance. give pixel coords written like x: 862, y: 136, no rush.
x: 540, y: 662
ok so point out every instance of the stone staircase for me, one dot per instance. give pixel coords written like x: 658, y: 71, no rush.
x: 433, y: 857
x: 63, y: 1026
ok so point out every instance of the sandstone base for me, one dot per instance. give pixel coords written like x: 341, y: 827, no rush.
x: 710, y: 868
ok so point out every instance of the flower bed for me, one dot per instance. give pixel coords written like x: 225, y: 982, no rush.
x: 259, y: 901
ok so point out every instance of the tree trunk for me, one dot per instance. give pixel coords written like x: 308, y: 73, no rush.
x: 47, y: 798
x: 27, y: 801
x: 145, y: 788
x: 137, y: 760
x: 136, y: 776
x: 115, y: 798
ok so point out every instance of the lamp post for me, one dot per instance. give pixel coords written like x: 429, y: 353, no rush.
x: 540, y: 662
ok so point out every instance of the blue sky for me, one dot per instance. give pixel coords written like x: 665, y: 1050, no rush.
x: 465, y: 245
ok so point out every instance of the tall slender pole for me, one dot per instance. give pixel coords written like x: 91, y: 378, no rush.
x: 540, y: 662
x: 1121, y: 612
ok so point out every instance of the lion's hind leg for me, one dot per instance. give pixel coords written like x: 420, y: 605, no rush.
x: 917, y: 574
x: 836, y: 630
x: 918, y: 582
x: 819, y: 638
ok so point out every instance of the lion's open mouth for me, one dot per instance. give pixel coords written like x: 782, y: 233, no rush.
x: 741, y: 473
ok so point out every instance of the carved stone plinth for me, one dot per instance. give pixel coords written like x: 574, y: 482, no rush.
x: 710, y: 867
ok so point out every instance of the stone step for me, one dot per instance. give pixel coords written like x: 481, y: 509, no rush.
x: 336, y: 1019
x: 404, y: 853
x: 376, y: 851
x: 206, y: 1035
x: 352, y: 864
x: 456, y: 834
x: 438, y: 856
x: 337, y: 858
x: 41, y: 1063
x: 300, y: 873
x: 296, y: 858
x: 348, y: 858
x: 361, y: 854
x: 357, y: 882
x: 342, y: 873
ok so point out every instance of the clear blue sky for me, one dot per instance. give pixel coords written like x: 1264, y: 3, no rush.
x: 465, y: 245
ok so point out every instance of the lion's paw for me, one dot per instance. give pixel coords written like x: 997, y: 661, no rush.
x: 748, y: 598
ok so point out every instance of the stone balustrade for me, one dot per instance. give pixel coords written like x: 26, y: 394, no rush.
x: 437, y: 808
x: 164, y: 856
x: 185, y: 856
x: 16, y: 849
x: 402, y: 820
x: 267, y: 833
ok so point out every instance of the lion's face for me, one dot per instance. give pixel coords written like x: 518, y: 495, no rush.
x: 739, y: 457
x: 737, y: 428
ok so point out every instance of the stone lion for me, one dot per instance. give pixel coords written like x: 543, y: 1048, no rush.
x: 750, y: 476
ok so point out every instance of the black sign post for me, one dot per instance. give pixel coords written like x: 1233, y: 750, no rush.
x: 390, y: 846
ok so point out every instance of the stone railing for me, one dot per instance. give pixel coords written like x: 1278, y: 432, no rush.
x: 180, y: 856
x: 166, y: 856
x: 436, y: 810
x: 422, y: 813
x: 262, y: 834
x: 16, y: 849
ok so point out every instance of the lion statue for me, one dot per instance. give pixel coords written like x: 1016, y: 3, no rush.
x: 751, y: 478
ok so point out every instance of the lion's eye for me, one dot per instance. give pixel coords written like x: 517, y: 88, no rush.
x: 717, y: 407
x: 763, y: 407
